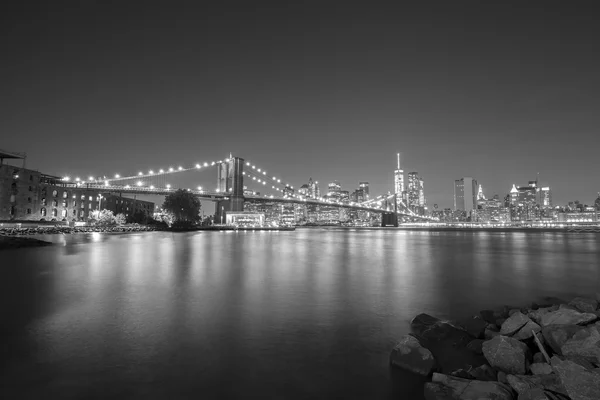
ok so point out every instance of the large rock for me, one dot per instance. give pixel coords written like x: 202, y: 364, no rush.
x: 540, y: 369
x: 557, y: 335
x: 584, y: 343
x: 533, y: 394
x: 474, y: 326
x: 483, y: 373
x: 566, y: 315
x: 437, y: 391
x: 449, y: 347
x: 422, y: 322
x: 527, y: 331
x: 536, y: 315
x: 515, y: 322
x: 584, y: 305
x: 476, y: 346
x: 410, y: 355
x: 507, y: 354
x: 579, y: 383
x: 522, y: 383
x: 449, y: 387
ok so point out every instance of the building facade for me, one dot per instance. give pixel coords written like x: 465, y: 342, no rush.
x: 465, y: 192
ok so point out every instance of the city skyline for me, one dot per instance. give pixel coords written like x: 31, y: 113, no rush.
x: 497, y: 92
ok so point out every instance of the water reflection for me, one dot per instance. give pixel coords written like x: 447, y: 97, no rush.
x: 311, y: 313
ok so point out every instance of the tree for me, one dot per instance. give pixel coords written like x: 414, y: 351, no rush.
x: 102, y: 217
x: 183, y: 206
x: 120, y: 219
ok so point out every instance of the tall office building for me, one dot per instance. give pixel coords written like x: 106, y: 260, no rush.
x: 398, y: 179
x: 313, y: 189
x: 364, y: 186
x: 421, y: 193
x: 334, y: 187
x: 546, y: 197
x: 465, y: 192
x: 414, y: 186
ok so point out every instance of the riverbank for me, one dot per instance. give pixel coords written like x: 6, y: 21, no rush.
x: 549, y: 351
x: 16, y: 242
x: 47, y: 230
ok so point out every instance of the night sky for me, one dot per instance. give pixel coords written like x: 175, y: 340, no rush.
x: 497, y: 91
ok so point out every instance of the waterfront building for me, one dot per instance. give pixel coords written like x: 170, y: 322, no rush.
x: 398, y: 179
x: 246, y: 219
x: 465, y: 192
x: 28, y: 195
x: 287, y: 215
x: 126, y: 205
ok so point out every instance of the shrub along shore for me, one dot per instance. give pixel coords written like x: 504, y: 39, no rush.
x: 549, y: 351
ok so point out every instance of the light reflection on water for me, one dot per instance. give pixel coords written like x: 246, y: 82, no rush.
x: 304, y: 314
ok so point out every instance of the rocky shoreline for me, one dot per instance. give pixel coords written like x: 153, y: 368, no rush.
x: 549, y: 351
x: 48, y: 230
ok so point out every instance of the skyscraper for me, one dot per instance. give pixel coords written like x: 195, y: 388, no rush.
x: 465, y: 192
x: 414, y: 186
x: 597, y: 202
x: 313, y: 189
x: 334, y: 187
x: 365, y: 189
x: 398, y: 179
x: 421, y: 193
x: 546, y: 197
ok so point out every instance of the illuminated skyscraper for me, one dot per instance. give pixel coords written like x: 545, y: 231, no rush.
x: 334, y: 187
x: 364, y: 186
x: 546, y: 197
x: 421, y: 193
x: 313, y: 189
x: 398, y: 179
x: 414, y: 186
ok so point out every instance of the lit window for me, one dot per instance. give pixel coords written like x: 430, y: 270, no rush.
x: 54, y: 212
x: 43, y: 211
x: 65, y: 194
x: 63, y: 213
x: 54, y: 203
x: 54, y: 193
x: 90, y: 199
x: 64, y: 203
x: 83, y: 197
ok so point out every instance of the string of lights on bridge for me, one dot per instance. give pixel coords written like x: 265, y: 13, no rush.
x: 258, y: 175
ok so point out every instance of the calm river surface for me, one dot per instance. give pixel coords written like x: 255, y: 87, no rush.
x: 307, y: 314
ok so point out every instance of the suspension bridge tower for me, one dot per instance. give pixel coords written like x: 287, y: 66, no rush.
x: 230, y: 180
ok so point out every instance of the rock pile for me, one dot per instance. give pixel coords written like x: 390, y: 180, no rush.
x: 45, y: 230
x: 544, y: 352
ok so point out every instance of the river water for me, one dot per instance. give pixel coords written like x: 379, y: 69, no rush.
x: 298, y: 315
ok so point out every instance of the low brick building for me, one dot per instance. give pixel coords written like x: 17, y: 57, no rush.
x: 29, y: 195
